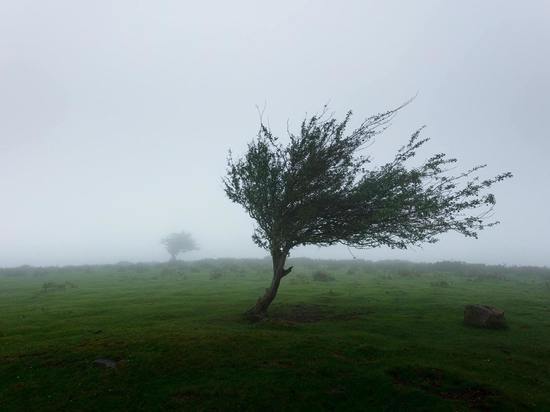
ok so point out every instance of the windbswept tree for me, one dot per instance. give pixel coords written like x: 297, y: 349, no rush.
x: 320, y: 189
x: 177, y: 243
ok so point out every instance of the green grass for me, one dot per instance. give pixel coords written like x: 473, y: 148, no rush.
x: 375, y: 338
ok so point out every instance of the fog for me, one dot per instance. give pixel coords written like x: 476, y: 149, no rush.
x: 116, y: 117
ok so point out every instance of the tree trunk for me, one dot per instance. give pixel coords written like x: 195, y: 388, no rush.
x: 259, y: 310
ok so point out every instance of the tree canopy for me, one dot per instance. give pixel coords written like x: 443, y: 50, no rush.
x: 320, y: 188
x: 177, y: 243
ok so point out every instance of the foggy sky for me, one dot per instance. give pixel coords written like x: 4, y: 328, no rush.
x: 116, y: 117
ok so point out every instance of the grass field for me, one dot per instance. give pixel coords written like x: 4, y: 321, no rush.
x: 372, y: 336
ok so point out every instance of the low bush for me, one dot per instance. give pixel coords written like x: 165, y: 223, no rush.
x: 321, y: 276
x: 54, y: 286
x: 215, y: 274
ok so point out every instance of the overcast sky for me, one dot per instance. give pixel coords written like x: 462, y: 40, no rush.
x: 116, y: 116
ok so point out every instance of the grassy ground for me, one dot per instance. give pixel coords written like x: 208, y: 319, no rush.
x: 374, y: 338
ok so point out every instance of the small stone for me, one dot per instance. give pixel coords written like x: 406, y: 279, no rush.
x: 483, y: 316
x: 105, y: 363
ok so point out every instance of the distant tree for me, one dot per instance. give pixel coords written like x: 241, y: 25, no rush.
x: 177, y: 243
x: 317, y: 189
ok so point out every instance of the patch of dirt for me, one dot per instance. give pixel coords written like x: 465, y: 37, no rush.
x: 447, y: 386
x: 19, y: 386
x: 337, y: 391
x: 186, y: 396
x: 370, y: 353
x: 341, y: 357
x: 303, y: 313
x: 276, y: 363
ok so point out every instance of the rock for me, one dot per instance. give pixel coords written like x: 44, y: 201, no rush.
x: 483, y: 316
x: 105, y: 363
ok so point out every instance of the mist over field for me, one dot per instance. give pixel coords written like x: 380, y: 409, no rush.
x: 274, y: 206
x: 116, y: 117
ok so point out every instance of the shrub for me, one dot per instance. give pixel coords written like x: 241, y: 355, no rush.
x: 54, y: 286
x: 215, y: 274
x: 320, y: 276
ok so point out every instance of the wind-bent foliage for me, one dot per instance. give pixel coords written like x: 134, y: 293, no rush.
x: 177, y: 243
x: 318, y: 189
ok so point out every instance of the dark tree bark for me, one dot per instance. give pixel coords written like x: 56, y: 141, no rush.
x: 259, y: 310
